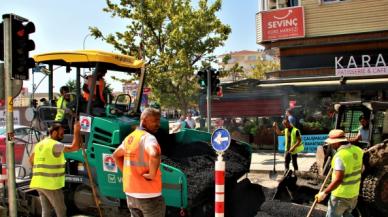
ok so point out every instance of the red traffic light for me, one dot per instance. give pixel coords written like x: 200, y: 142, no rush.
x: 21, y: 45
x: 23, y: 30
x: 219, y: 92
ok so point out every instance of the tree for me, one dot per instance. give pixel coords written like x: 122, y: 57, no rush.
x: 175, y: 38
x: 262, y: 67
x: 71, y: 84
x: 235, y: 71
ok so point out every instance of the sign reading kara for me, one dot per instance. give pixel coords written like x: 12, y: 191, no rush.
x: 361, y: 65
x: 283, y: 23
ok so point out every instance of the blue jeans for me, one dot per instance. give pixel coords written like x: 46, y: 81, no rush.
x: 338, y: 207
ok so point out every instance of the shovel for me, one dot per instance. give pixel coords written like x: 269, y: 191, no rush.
x: 273, y: 174
x: 323, y: 185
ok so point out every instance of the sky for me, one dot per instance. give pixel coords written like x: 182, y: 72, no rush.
x: 64, y: 25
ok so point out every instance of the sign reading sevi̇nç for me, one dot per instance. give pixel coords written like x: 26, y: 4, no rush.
x: 282, y: 24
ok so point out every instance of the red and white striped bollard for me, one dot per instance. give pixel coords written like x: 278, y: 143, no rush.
x: 220, y: 187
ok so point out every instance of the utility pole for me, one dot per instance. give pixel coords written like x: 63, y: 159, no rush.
x: 209, y: 99
x: 142, y: 75
x: 9, y: 115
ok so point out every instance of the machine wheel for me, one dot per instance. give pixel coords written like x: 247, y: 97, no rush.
x: 82, y: 199
x: 375, y: 191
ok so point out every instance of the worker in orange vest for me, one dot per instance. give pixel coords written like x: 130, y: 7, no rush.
x: 139, y: 157
x: 99, y: 99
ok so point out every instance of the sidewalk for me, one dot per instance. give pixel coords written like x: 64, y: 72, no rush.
x: 262, y: 161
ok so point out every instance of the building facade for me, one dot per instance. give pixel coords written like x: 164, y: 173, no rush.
x: 329, y: 51
x: 344, y: 38
x: 245, y: 59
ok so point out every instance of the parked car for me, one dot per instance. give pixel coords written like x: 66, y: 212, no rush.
x: 25, y: 139
x: 26, y: 133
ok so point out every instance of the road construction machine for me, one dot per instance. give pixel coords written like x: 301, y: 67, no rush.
x: 187, y: 157
x: 373, y: 198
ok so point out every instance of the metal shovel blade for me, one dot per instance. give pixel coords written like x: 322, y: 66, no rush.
x: 273, y: 174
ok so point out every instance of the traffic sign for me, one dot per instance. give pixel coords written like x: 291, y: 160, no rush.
x: 220, y: 139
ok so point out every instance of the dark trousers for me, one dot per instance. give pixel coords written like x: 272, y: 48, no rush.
x: 146, y: 207
x: 287, y: 158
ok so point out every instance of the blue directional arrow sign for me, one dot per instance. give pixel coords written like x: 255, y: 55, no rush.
x: 220, y: 139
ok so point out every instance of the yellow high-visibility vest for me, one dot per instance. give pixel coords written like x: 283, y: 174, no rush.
x: 298, y: 149
x: 48, y: 171
x: 351, y: 157
x: 61, y: 106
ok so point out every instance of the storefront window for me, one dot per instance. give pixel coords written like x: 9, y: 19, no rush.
x: 315, y: 112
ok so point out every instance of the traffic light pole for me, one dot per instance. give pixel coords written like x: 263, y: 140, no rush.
x: 12, y: 205
x: 209, y: 99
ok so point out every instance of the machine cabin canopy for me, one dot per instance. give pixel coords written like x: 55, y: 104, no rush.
x: 89, y: 59
x: 92, y: 59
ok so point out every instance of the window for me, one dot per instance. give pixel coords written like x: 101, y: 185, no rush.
x: 232, y: 60
x: 251, y: 58
x: 332, y: 1
x: 277, y: 4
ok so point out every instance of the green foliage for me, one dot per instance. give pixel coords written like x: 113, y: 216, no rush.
x: 71, y: 84
x: 264, y: 66
x: 175, y: 38
x: 236, y: 71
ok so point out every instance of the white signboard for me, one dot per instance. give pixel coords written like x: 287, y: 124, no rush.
x: 361, y: 65
x: 16, y: 117
x: 86, y: 123
x: 109, y: 163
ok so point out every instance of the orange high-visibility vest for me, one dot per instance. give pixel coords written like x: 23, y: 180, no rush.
x: 136, y: 164
x: 101, y: 84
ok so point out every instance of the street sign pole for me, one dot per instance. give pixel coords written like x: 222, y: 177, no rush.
x: 220, y: 141
x: 12, y: 205
x: 208, y: 94
x: 219, y: 206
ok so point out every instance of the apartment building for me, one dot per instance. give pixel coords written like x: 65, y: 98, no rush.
x: 246, y: 59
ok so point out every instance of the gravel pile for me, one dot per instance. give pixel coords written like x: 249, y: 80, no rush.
x: 197, y: 161
x: 281, y: 209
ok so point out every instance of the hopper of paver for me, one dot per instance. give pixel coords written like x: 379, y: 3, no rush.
x: 190, y: 151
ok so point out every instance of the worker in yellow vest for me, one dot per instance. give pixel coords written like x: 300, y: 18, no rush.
x: 48, y: 173
x: 346, y: 177
x: 139, y: 157
x: 62, y: 103
x: 293, y: 143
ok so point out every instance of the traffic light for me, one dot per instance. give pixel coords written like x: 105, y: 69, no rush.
x: 21, y: 46
x: 1, y: 41
x: 219, y: 91
x: 202, y: 78
x: 215, y: 80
